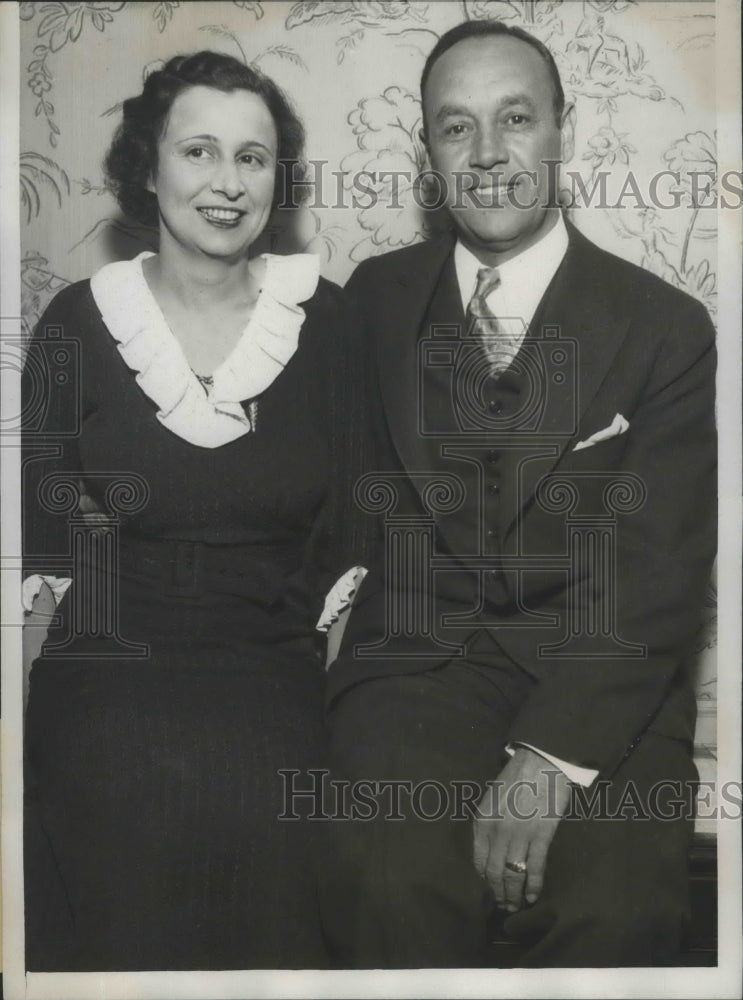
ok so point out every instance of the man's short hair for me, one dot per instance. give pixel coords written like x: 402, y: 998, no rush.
x: 488, y: 29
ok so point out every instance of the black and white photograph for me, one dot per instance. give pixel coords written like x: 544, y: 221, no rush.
x: 371, y: 499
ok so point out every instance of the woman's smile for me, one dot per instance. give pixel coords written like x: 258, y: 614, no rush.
x: 222, y: 218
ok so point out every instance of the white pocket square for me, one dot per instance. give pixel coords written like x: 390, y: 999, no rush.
x: 618, y: 426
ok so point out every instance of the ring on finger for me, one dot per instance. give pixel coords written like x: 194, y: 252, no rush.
x: 519, y: 867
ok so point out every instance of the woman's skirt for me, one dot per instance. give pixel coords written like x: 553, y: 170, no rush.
x: 158, y: 830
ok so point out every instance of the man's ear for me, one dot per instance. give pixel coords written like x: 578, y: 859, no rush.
x: 567, y: 129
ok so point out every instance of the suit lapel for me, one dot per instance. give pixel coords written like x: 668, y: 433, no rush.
x: 401, y: 315
x: 580, y: 308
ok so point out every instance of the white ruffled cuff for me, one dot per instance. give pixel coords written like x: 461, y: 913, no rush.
x: 33, y: 584
x: 340, y: 596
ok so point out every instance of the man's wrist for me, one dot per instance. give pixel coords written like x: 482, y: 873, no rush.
x: 575, y: 774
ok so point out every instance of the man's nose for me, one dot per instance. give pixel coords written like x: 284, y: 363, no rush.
x: 489, y: 148
x: 227, y: 179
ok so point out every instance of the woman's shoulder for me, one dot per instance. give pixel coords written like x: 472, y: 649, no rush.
x: 72, y: 304
x: 72, y: 295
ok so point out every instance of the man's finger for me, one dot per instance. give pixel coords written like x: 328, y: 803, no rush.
x: 515, y: 880
x: 494, y: 868
x: 535, y: 869
x: 480, y: 846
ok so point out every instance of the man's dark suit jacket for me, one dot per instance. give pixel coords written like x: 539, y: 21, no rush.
x: 645, y: 350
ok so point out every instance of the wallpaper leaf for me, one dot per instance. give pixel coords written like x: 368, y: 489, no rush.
x: 37, y: 173
x: 222, y: 31
x: 282, y: 52
x: 531, y: 12
x: 250, y: 5
x: 367, y: 12
x: 62, y: 22
x: 163, y: 14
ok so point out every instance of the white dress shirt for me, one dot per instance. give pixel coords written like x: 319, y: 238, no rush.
x: 523, y: 282
x: 523, y: 279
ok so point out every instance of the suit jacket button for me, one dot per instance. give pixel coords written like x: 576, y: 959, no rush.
x: 493, y: 456
x: 493, y: 489
x: 495, y: 406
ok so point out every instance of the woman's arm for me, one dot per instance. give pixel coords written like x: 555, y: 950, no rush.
x: 346, y: 536
x: 52, y: 406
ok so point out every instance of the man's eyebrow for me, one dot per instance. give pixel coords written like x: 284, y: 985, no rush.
x: 451, y: 111
x: 454, y: 110
x: 509, y: 102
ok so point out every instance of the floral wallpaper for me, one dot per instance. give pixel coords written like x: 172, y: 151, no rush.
x: 641, y: 75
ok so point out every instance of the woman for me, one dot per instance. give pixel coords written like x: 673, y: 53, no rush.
x: 222, y: 392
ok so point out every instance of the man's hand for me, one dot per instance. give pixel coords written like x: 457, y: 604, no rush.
x: 518, y: 816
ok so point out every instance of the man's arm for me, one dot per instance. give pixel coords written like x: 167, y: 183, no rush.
x: 589, y: 712
x: 592, y: 712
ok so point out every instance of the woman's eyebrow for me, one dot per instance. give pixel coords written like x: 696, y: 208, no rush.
x: 205, y: 137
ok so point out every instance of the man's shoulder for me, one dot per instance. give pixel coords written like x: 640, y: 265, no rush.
x: 625, y: 282
x: 403, y: 260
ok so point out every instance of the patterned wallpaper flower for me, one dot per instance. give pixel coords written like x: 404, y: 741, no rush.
x: 639, y: 74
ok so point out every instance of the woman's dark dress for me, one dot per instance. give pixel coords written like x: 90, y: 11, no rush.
x: 153, y: 784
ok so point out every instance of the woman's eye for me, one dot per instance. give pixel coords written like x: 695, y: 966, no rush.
x: 250, y: 160
x: 197, y: 153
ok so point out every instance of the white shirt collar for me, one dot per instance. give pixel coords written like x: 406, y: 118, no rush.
x: 524, y: 279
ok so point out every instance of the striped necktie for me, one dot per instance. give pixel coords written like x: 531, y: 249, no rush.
x: 499, y: 345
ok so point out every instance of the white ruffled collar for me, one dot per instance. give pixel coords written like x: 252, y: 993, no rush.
x: 213, y: 417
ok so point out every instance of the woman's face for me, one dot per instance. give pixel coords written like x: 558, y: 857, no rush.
x: 216, y: 168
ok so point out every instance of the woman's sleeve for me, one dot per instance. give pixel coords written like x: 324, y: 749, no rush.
x: 52, y: 401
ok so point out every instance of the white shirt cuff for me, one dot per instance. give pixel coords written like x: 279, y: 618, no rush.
x: 578, y: 775
x: 340, y: 597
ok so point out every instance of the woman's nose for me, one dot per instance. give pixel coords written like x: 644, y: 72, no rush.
x: 228, y: 180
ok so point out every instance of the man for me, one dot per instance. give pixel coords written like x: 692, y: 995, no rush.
x: 563, y: 400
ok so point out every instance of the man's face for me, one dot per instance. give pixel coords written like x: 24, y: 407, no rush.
x: 491, y: 127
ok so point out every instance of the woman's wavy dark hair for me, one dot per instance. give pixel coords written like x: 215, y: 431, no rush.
x: 131, y: 160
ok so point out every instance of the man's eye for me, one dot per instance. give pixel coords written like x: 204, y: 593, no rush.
x: 456, y: 130
x: 517, y: 119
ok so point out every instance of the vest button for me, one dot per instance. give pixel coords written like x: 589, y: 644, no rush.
x: 492, y: 532
x: 493, y: 489
x: 492, y: 456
